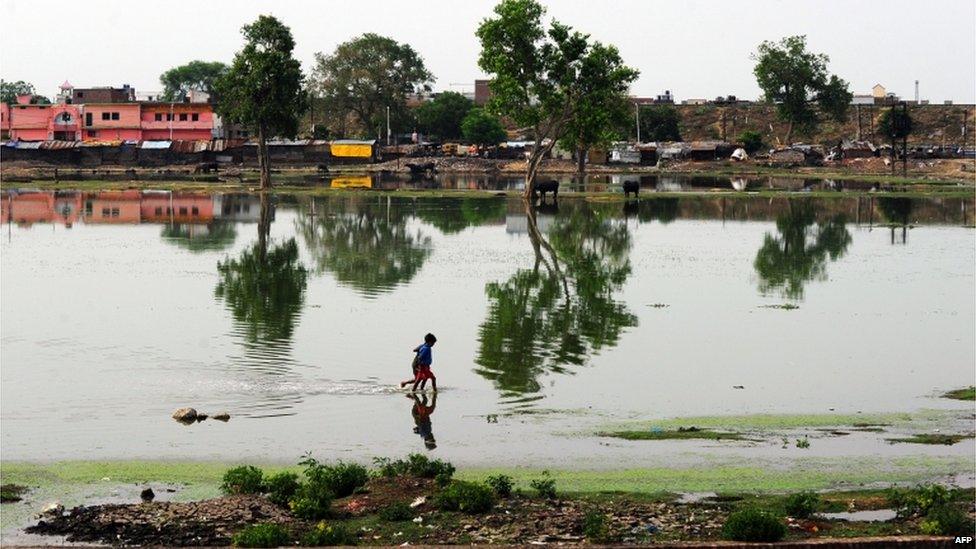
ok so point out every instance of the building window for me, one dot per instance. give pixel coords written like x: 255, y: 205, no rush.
x: 159, y: 211
x: 106, y: 116
x: 182, y: 211
x: 115, y: 116
x: 159, y: 117
x: 106, y: 212
x: 183, y: 117
x: 169, y: 117
x: 196, y: 117
x: 92, y: 133
x: 115, y: 212
x: 81, y: 94
x: 195, y: 211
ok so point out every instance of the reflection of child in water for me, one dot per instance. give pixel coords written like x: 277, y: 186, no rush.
x: 421, y: 416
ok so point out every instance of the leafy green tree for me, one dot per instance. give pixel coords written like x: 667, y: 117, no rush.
x: 264, y: 287
x: 195, y: 75
x: 751, y: 140
x: 535, y: 74
x: 561, y: 311
x: 895, y: 123
x: 482, y: 128
x: 660, y: 123
x: 800, y: 252
x: 263, y: 88
x: 10, y: 90
x: 601, y: 102
x: 363, y: 244
x: 367, y: 75
x: 442, y: 117
x: 798, y: 83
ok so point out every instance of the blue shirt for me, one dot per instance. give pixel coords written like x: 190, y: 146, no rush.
x: 424, y: 356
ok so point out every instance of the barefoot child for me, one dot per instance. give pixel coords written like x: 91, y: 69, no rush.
x: 422, y: 363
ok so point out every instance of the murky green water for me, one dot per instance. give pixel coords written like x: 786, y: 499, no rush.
x: 297, y: 316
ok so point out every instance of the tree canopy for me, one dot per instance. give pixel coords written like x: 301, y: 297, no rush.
x: 10, y: 90
x: 798, y: 83
x: 895, y: 123
x: 195, y: 75
x: 263, y: 88
x: 482, y: 128
x: 442, y: 116
x: 601, y: 101
x: 660, y: 123
x: 366, y: 75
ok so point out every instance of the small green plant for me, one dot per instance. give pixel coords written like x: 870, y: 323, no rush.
x: 417, y: 465
x: 245, y: 479
x: 500, y: 484
x: 595, y: 527
x: 803, y: 443
x: 312, y: 501
x: 802, y: 504
x: 753, y: 525
x: 919, y: 500
x: 281, y: 487
x: 466, y: 497
x: 341, y: 479
x: 545, y: 486
x: 396, y: 512
x: 946, y: 520
x: 325, y: 534
x: 751, y: 141
x: 261, y: 535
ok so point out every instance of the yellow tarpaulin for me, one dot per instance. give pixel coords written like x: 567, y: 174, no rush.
x: 352, y: 150
x: 350, y: 182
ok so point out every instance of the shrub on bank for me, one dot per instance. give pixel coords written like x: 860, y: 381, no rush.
x: 909, y: 502
x: 312, y: 501
x: 946, y: 520
x: 545, y: 486
x: 261, y: 535
x: 281, y: 488
x: 466, y: 497
x: 325, y: 535
x: 501, y: 484
x: 417, y: 465
x: 396, y: 512
x: 802, y: 504
x: 753, y: 525
x: 341, y: 479
x: 245, y: 479
x: 595, y: 527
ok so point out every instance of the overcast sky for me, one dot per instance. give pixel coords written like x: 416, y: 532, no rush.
x: 695, y: 48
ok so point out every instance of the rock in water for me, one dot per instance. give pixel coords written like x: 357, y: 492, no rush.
x: 185, y: 415
x: 222, y: 416
x: 147, y: 494
x: 201, y: 417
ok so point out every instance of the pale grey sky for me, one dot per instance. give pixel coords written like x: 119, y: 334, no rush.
x: 696, y: 48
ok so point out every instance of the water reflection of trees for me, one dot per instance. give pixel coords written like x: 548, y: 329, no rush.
x: 264, y: 287
x: 453, y: 215
x: 363, y: 242
x: 562, y: 310
x: 215, y: 236
x: 785, y: 263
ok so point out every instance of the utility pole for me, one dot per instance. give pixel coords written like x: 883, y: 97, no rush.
x: 904, y: 134
x: 387, y: 126
x: 916, y: 92
x: 637, y: 116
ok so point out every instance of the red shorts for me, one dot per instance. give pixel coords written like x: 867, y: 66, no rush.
x: 423, y: 372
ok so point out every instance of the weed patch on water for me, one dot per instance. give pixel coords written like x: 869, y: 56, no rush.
x: 783, y: 306
x: 930, y: 438
x: 658, y: 305
x: 969, y: 393
x: 10, y: 493
x: 681, y: 433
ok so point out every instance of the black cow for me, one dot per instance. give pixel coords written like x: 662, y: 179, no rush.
x: 427, y: 169
x: 544, y: 187
x: 631, y: 187
x: 205, y: 167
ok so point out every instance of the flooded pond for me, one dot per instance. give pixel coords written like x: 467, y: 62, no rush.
x: 297, y: 316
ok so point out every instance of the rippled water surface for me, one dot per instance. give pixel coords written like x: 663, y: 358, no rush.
x: 297, y: 315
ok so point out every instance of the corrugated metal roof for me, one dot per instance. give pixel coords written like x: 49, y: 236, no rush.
x: 59, y: 145
x: 155, y: 144
x: 353, y: 142
x: 29, y: 144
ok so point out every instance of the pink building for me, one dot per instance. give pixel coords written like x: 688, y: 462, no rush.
x: 168, y: 121
x: 112, y: 121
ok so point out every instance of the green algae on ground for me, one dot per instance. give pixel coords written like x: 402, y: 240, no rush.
x: 930, y: 438
x: 777, y: 422
x: 969, y: 393
x: 681, y: 433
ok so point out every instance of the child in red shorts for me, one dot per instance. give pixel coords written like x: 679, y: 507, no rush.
x: 422, y: 362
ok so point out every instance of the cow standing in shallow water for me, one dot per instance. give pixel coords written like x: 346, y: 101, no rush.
x: 544, y: 187
x: 631, y: 187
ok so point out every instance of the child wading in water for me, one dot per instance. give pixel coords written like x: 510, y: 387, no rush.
x: 421, y: 366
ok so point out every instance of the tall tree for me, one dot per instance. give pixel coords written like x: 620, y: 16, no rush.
x: 535, y: 74
x: 263, y: 88
x: 482, y: 128
x: 10, y: 90
x: 442, y: 117
x: 798, y: 83
x: 601, y: 102
x: 369, y: 74
x: 660, y: 123
x: 195, y: 75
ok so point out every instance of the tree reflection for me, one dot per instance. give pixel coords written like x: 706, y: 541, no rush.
x: 898, y: 212
x: 560, y: 311
x: 454, y: 215
x: 799, y: 254
x: 364, y: 244
x: 264, y: 287
x: 215, y: 236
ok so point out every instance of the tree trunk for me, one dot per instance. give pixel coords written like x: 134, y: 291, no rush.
x: 581, y: 160
x: 789, y: 134
x: 264, y: 228
x: 531, y: 171
x: 264, y: 165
